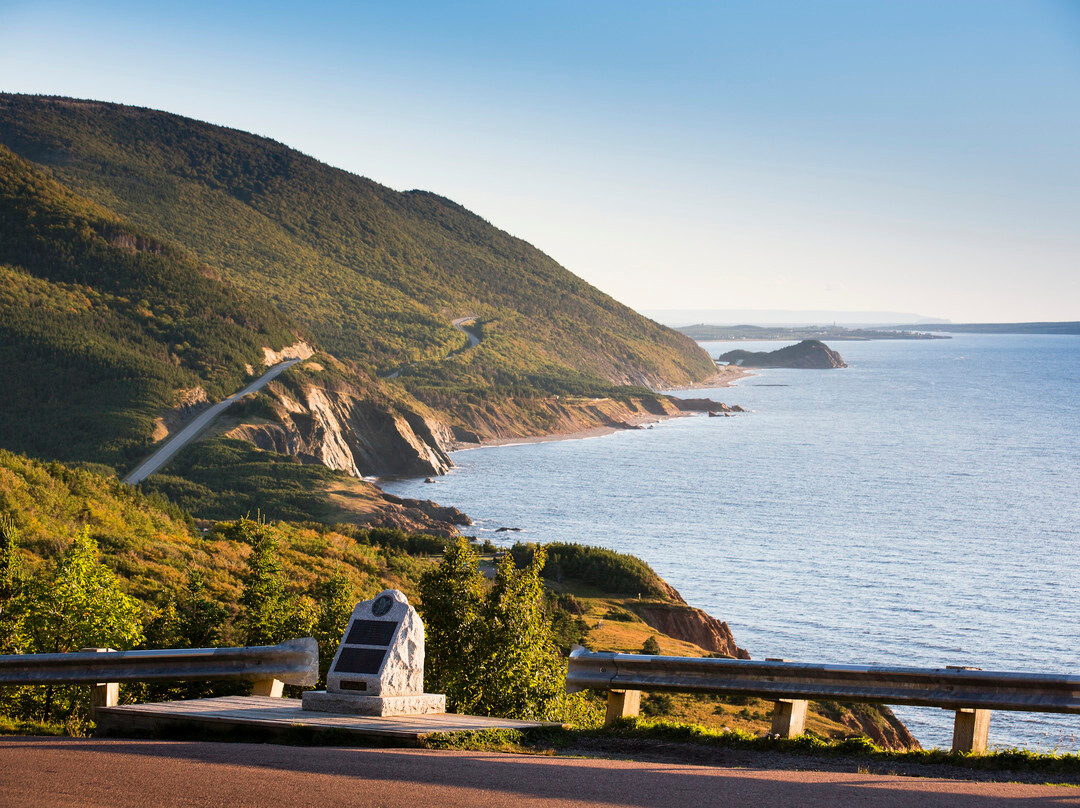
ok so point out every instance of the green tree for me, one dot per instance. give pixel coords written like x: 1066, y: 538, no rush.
x: 11, y: 583
x: 451, y: 605
x: 267, y: 614
x: 200, y: 620
x: 651, y: 646
x: 491, y: 651
x: 336, y: 597
x: 521, y: 671
x: 78, y: 604
x: 188, y: 618
x: 263, y: 601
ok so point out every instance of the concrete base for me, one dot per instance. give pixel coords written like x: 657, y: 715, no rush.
x: 347, y: 704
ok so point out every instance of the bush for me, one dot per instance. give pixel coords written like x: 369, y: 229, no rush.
x: 491, y: 651
x: 610, y: 571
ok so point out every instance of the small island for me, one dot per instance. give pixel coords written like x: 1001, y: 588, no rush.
x: 810, y: 353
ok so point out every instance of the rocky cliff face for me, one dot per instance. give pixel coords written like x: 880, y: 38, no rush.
x: 808, y: 354
x: 345, y: 431
x: 566, y: 416
x: 691, y: 625
x: 876, y: 721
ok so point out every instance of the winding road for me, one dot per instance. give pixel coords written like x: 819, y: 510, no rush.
x: 203, y: 420
x: 459, y: 324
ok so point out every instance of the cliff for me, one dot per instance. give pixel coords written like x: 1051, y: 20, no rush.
x: 342, y: 429
x: 691, y: 625
x: 808, y: 354
x: 878, y: 723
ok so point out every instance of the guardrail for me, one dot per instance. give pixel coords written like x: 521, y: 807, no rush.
x: 971, y: 692
x: 269, y: 667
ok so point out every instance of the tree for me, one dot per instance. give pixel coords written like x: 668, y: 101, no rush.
x: 200, y: 620
x: 336, y: 599
x: 187, y: 618
x: 490, y: 651
x: 451, y: 605
x: 651, y: 646
x: 11, y: 584
x: 262, y: 602
x: 267, y: 614
x: 78, y: 604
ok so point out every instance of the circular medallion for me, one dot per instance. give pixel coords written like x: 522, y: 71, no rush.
x: 382, y: 605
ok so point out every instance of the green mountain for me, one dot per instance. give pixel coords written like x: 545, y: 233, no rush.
x: 101, y: 323
x: 375, y: 274
x: 145, y: 254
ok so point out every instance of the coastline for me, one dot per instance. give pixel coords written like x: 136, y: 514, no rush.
x: 725, y: 376
x: 636, y: 422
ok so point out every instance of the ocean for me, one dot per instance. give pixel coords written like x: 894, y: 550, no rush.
x: 920, y: 507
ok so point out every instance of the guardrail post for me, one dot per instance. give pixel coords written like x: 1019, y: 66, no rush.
x: 267, y: 687
x: 622, y: 704
x: 971, y: 730
x: 102, y: 694
x: 789, y: 717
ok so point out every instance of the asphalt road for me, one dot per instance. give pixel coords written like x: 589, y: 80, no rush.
x: 459, y: 324
x: 164, y: 774
x: 181, y: 438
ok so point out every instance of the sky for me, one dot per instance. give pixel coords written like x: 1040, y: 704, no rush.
x: 844, y: 156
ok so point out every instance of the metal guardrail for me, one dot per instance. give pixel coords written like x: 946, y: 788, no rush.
x: 294, y: 662
x: 971, y: 692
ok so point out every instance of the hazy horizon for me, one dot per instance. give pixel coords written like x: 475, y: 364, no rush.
x: 834, y: 157
x: 677, y: 318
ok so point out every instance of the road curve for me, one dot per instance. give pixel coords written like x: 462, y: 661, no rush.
x: 181, y: 438
x: 459, y: 324
x: 78, y: 772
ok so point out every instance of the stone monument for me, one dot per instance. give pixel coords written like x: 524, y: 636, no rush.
x: 379, y: 666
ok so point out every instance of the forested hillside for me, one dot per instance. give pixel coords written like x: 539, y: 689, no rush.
x: 100, y: 324
x: 148, y: 260
x: 375, y: 275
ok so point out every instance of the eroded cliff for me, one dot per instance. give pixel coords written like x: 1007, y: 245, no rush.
x: 692, y: 625
x: 340, y: 427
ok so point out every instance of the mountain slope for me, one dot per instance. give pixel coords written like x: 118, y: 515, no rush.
x: 100, y: 325
x: 374, y: 274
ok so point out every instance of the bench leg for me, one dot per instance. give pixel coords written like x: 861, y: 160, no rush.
x: 267, y: 687
x: 622, y: 704
x: 970, y: 730
x: 789, y: 717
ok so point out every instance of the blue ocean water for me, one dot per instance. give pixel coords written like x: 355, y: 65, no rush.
x: 921, y: 507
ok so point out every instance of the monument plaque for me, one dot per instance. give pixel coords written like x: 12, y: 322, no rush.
x: 379, y: 666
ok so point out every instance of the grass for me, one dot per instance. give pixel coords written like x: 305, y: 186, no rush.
x: 11, y: 726
x: 634, y: 736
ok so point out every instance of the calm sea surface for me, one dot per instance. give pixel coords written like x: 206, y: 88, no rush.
x: 921, y: 507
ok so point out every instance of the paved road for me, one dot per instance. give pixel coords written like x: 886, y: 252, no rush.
x: 174, y: 774
x: 459, y: 324
x: 178, y: 441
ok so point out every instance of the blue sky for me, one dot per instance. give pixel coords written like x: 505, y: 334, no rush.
x: 902, y: 156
